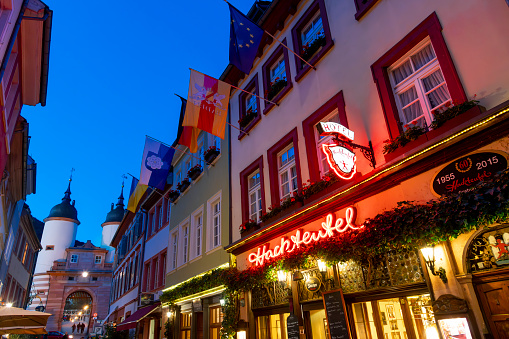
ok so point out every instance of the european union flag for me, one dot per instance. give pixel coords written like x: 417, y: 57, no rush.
x: 245, y: 37
x: 156, y: 163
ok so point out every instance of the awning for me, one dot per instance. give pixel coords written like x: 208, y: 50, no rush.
x: 137, y: 316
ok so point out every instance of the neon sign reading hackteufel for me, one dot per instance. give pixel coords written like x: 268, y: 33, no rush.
x: 329, y: 229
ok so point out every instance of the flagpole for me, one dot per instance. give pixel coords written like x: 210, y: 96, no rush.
x: 273, y: 37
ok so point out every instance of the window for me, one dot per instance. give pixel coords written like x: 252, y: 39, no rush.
x: 135, y: 271
x: 70, y: 278
x: 320, y: 140
x: 156, y: 273
x: 174, y: 247
x: 255, y: 196
x: 214, y: 221
x: 168, y: 209
x: 178, y: 175
x: 161, y: 215
x: 332, y: 110
x: 275, y: 69
x: 201, y: 149
x: 94, y: 278
x: 195, y: 247
x: 50, y: 247
x: 249, y: 107
x: 410, y: 87
x: 147, y: 275
x: 284, y: 167
x: 98, y: 259
x: 215, y: 141
x: 188, y: 165
x: 251, y: 187
x: 215, y: 319
x: 74, y: 258
x: 153, y: 218
x: 287, y: 172
x: 363, y: 6
x: 311, y: 37
x: 418, y: 86
x: 185, y: 243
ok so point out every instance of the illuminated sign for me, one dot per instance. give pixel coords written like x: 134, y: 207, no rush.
x: 330, y: 228
x: 331, y: 128
x: 341, y: 160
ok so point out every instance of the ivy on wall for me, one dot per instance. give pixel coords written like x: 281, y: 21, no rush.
x: 408, y: 226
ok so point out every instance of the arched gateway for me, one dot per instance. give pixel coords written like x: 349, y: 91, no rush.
x: 76, y: 314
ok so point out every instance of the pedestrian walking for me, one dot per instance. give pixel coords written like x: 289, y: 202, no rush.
x: 73, y: 327
x: 66, y: 336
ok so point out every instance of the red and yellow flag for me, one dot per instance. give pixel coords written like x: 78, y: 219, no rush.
x: 189, y: 138
x: 207, y: 104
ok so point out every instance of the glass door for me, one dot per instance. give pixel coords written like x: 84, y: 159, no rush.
x: 272, y: 326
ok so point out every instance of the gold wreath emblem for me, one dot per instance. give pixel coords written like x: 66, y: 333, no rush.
x: 469, y: 166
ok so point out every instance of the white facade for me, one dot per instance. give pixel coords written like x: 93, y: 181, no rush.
x: 108, y: 231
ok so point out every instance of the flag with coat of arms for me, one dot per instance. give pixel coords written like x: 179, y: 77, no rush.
x: 207, y: 104
x: 156, y: 163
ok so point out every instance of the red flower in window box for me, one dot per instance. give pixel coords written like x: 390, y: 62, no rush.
x: 183, y: 185
x: 247, y: 118
x: 194, y: 172
x: 210, y: 154
x: 275, y: 88
x: 309, y: 49
x: 173, y: 195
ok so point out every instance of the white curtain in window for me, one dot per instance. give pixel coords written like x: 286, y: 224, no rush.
x: 402, y: 72
x: 412, y: 111
x: 422, y: 57
x: 439, y: 94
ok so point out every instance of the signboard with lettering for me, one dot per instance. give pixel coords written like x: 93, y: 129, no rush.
x: 313, y: 284
x: 292, y: 327
x: 339, y: 156
x: 336, y: 314
x: 464, y: 173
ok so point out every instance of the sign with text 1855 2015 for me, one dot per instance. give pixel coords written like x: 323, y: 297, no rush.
x: 339, y: 156
x: 464, y: 173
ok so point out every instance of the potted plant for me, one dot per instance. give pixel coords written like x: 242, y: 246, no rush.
x: 184, y: 184
x: 173, y: 195
x: 248, y: 227
x: 275, y: 87
x: 210, y: 154
x: 309, y: 49
x: 410, y: 134
x: 194, y: 172
x: 247, y: 118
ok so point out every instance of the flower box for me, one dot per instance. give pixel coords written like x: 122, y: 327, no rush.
x: 210, y: 154
x: 275, y: 88
x: 194, y: 172
x: 282, y: 213
x: 182, y: 186
x: 309, y: 50
x: 448, y: 125
x: 247, y: 118
x: 248, y: 228
x: 173, y: 195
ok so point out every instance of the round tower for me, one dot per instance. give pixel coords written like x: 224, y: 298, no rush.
x: 59, y: 233
x: 110, y: 226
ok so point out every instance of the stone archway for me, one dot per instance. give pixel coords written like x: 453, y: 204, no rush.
x: 76, y: 313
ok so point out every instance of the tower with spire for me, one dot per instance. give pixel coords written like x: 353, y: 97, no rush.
x: 110, y: 225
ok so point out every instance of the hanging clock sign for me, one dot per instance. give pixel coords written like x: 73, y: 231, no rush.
x: 464, y: 173
x: 339, y: 155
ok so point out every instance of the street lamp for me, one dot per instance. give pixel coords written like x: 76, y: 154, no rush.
x: 84, y: 274
x: 85, y: 307
x: 8, y: 305
x: 429, y: 257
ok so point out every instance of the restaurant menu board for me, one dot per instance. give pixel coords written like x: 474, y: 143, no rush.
x: 336, y: 314
x: 464, y: 173
x: 292, y: 326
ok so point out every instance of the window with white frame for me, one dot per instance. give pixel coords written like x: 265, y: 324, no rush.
x: 214, y: 221
x: 255, y: 196
x: 98, y: 259
x: 154, y: 220
x: 419, y: 86
x: 287, y: 171
x: 201, y: 149
x: 156, y: 273
x: 195, y: 247
x: 161, y: 215
x: 215, y: 141
x: 320, y: 140
x: 250, y: 103
x: 278, y: 70
x: 312, y: 30
x: 178, y: 175
x: 168, y: 210
x: 174, y: 249
x: 185, y: 243
x: 74, y: 258
x: 188, y: 165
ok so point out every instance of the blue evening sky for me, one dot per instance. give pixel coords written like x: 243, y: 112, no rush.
x: 114, y: 69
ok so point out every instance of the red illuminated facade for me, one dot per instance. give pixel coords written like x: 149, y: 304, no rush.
x: 387, y: 72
